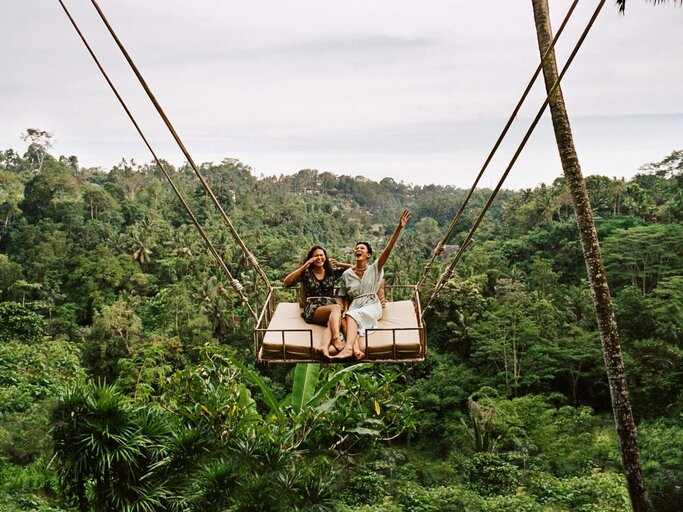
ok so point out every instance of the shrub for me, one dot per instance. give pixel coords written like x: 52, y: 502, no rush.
x: 516, y: 503
x: 489, y: 475
x: 17, y: 322
x: 598, y: 492
x: 662, y: 451
x: 364, y: 488
x: 414, y: 498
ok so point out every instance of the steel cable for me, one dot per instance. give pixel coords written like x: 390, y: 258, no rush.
x: 250, y: 257
x: 469, y: 239
x: 233, y: 281
x: 449, y: 232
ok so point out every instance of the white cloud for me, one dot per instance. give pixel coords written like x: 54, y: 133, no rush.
x: 415, y: 90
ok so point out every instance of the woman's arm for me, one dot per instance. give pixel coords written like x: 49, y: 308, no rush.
x: 294, y: 276
x: 339, y: 264
x: 402, y: 221
x: 345, y: 305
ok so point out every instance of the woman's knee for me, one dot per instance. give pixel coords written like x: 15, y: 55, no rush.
x: 321, y: 315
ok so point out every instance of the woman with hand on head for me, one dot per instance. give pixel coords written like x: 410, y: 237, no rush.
x: 358, y: 289
x: 317, y: 275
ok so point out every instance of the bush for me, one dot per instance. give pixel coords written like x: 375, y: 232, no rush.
x: 364, y: 488
x: 415, y: 466
x: 662, y: 452
x: 599, y: 492
x: 375, y: 507
x: 29, y: 373
x: 24, y: 435
x: 27, y: 487
x: 414, y: 498
x: 516, y: 503
x: 489, y: 475
x: 17, y: 322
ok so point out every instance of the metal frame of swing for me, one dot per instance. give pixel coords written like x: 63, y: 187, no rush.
x: 263, y: 327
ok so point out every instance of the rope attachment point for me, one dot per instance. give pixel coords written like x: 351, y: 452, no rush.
x: 254, y: 262
x: 447, y: 274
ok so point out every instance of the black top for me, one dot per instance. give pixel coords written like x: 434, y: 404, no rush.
x: 313, y: 287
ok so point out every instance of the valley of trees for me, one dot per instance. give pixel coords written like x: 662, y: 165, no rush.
x: 127, y: 374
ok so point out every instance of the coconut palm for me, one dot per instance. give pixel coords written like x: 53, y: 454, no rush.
x: 141, y: 252
x: 609, y: 334
x: 622, y: 3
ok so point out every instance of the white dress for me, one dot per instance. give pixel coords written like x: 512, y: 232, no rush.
x: 365, y: 308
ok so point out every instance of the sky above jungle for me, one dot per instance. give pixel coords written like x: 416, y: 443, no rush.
x: 417, y: 91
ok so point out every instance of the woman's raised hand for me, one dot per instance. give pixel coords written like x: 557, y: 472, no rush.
x: 404, y: 218
x: 390, y: 245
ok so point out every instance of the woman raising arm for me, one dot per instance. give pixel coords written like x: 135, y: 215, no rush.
x: 358, y: 289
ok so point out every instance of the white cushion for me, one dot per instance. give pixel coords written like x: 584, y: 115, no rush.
x: 288, y: 336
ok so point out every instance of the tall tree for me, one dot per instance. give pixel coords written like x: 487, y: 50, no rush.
x: 604, y: 310
x: 40, y: 142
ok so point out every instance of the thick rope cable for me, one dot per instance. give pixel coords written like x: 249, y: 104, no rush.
x: 438, y: 250
x: 469, y: 239
x: 233, y: 281
x: 250, y: 257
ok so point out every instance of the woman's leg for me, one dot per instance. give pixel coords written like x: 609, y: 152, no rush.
x: 342, y: 330
x: 351, y: 339
x: 325, y: 343
x: 330, y: 315
x: 358, y: 353
x: 334, y: 324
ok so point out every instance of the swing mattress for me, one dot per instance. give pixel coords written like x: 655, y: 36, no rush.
x: 288, y: 336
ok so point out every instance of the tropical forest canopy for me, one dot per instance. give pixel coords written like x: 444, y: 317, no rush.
x: 127, y: 374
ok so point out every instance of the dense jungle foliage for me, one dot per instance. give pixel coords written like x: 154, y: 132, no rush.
x: 127, y: 375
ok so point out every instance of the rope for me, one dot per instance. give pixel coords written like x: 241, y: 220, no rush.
x: 167, y: 122
x: 235, y: 283
x: 522, y: 99
x: 468, y: 241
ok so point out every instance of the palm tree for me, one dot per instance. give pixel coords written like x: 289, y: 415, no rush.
x: 547, y: 205
x: 214, y: 301
x: 616, y: 193
x: 609, y: 334
x: 622, y: 3
x: 141, y: 252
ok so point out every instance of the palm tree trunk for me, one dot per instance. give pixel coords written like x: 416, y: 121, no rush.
x: 609, y: 334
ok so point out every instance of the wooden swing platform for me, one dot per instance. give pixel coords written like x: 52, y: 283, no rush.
x: 282, y: 336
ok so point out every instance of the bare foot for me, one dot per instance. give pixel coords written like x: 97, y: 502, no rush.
x: 344, y: 354
x: 337, y: 343
x: 328, y: 352
x: 358, y: 354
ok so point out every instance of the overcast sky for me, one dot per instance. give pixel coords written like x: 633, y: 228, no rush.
x: 413, y: 90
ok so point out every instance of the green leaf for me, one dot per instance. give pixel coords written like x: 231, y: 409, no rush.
x: 268, y: 394
x: 246, y: 402
x: 333, y: 380
x: 305, y: 382
x: 363, y: 431
x: 327, y: 405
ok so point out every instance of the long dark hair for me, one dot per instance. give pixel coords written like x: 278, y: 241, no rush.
x: 327, y: 265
